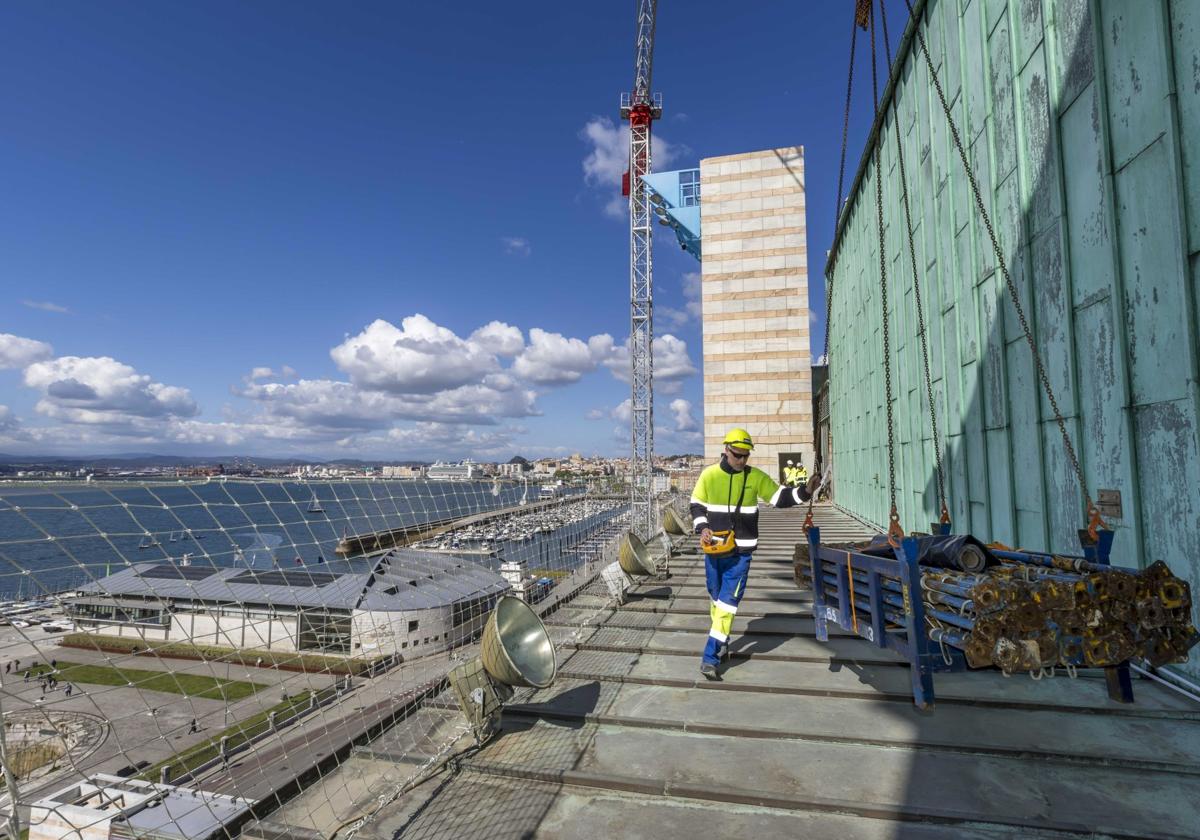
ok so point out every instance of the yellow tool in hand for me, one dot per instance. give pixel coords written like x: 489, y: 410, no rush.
x: 721, y: 542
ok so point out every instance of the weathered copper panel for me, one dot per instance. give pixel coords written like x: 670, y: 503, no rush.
x: 1082, y: 125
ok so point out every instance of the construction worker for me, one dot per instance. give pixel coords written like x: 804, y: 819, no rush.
x: 801, y: 475
x: 790, y: 475
x: 725, y: 515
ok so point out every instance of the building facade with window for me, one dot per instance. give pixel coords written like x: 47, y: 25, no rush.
x: 405, y: 602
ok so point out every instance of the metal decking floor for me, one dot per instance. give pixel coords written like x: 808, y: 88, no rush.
x: 802, y: 738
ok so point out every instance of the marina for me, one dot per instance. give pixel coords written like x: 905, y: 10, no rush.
x: 521, y: 524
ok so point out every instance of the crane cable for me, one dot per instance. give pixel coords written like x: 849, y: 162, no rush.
x: 1095, y: 522
x: 856, y: 23
x: 912, y: 253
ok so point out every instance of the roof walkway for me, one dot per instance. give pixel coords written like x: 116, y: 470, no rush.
x: 800, y: 739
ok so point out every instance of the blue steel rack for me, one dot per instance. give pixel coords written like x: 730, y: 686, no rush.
x: 861, y: 599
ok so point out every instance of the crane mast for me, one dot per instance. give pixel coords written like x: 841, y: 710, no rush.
x: 641, y: 108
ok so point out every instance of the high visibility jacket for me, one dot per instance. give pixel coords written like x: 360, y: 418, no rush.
x: 801, y: 474
x: 789, y: 475
x: 718, y: 490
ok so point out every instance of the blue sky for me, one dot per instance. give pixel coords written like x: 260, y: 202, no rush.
x: 375, y: 230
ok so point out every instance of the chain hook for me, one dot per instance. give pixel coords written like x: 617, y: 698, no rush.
x: 895, y: 532
x: 1095, y: 523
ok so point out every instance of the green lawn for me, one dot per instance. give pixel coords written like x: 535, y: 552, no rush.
x: 189, y: 685
x: 309, y: 663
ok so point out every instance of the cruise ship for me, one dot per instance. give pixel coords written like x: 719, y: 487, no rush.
x: 462, y: 471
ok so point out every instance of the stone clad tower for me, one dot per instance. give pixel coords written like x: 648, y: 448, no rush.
x: 754, y: 304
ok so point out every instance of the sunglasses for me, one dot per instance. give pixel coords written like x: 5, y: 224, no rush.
x: 733, y: 453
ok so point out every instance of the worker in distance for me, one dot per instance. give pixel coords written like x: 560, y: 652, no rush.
x: 725, y: 514
x: 795, y: 475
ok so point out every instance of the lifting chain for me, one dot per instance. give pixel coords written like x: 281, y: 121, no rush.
x: 862, y: 10
x: 912, y: 253
x: 1094, y: 521
x: 895, y: 532
x: 862, y: 14
x: 837, y: 210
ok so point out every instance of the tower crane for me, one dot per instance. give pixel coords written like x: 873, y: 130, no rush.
x: 641, y: 107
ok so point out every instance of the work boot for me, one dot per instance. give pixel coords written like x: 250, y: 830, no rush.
x: 709, y: 672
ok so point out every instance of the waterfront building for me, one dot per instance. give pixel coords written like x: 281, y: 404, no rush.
x: 403, y: 472
x: 405, y: 602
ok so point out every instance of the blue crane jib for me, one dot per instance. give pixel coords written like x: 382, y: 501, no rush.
x: 675, y: 200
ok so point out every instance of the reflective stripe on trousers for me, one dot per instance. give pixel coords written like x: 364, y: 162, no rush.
x: 725, y: 579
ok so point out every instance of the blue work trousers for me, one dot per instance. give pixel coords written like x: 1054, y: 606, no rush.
x: 726, y: 581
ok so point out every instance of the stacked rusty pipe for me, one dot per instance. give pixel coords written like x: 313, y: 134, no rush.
x: 1032, y: 612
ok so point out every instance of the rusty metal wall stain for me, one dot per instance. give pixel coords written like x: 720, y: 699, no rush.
x: 1082, y: 125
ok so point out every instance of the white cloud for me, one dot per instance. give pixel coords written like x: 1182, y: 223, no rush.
x: 340, y: 407
x: 554, y: 359
x: 418, y: 375
x: 419, y: 358
x: 672, y: 364
x: 101, y: 391
x: 607, y: 160
x: 46, y: 306
x: 681, y: 411
x: 672, y: 442
x: 264, y: 372
x: 441, y: 440
x: 691, y: 292
x: 595, y: 414
x: 499, y: 338
x: 623, y: 412
x: 671, y: 360
x: 516, y: 245
x: 678, y: 318
x: 17, y: 352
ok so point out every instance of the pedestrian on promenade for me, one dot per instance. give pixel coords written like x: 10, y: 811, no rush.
x: 7, y: 667
x: 725, y: 515
x: 193, y: 728
x: 68, y: 689
x: 26, y: 676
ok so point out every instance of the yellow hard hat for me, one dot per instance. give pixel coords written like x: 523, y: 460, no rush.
x: 739, y: 438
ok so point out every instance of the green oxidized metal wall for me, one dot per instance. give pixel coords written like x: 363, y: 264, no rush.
x: 1081, y: 120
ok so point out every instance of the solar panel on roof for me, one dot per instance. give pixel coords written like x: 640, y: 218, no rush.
x: 167, y: 571
x: 289, y: 577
